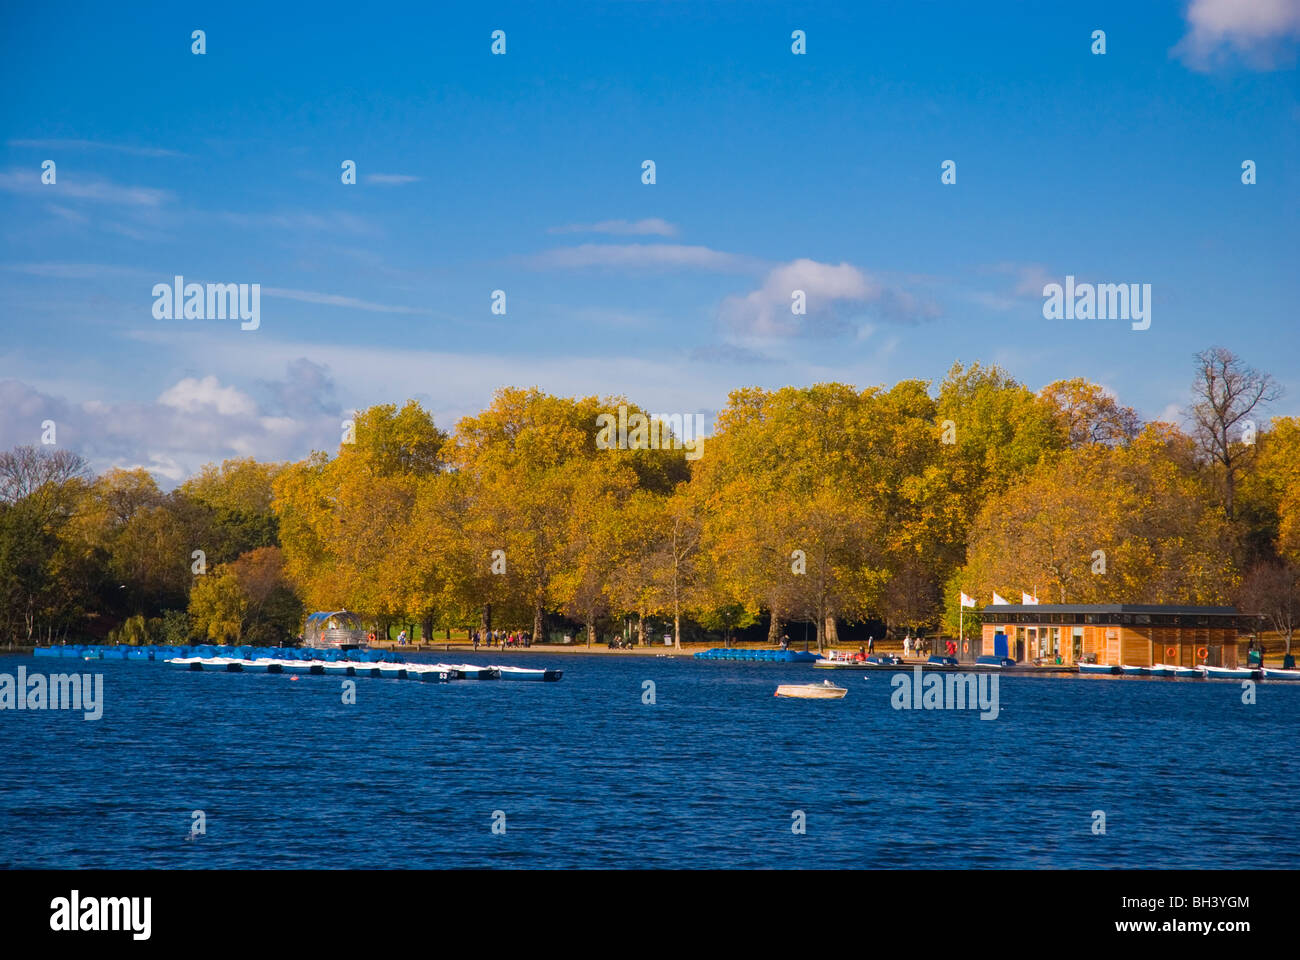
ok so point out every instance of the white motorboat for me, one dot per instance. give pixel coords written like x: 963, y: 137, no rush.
x: 1275, y: 673
x: 428, y: 672
x: 1228, y: 673
x: 527, y: 673
x: 471, y: 671
x: 219, y: 664
x: 811, y: 691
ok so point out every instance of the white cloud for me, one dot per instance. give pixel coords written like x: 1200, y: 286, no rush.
x: 1028, y: 280
x: 77, y: 271
x: 317, y: 224
x: 93, y: 145
x: 193, y: 422
x: 70, y: 187
x: 641, y: 256
x: 334, y: 300
x: 652, y: 226
x: 1260, y: 33
x: 767, y: 312
x: 192, y: 396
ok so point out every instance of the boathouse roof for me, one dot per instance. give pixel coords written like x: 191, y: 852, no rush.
x: 1116, y: 608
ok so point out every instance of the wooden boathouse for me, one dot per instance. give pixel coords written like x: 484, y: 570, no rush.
x: 1114, y: 633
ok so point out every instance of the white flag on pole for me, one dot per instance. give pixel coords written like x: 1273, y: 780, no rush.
x: 1027, y: 599
x: 997, y: 599
x: 967, y: 601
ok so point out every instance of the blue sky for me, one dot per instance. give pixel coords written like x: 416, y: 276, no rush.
x: 522, y: 173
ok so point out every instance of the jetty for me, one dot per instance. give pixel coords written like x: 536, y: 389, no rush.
x: 743, y: 653
x: 301, y: 660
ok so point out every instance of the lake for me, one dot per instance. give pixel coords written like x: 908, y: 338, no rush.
x: 582, y: 773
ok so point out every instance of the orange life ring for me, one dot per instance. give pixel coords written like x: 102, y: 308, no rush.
x: 965, y: 646
x: 371, y: 636
x: 1202, y: 653
x: 1171, y: 652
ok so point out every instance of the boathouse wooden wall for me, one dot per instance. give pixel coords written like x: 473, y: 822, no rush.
x: 1135, y: 646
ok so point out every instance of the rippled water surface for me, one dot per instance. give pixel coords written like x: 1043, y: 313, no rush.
x: 588, y: 775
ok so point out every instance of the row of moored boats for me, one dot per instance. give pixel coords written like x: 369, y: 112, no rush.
x: 429, y: 672
x: 1204, y: 671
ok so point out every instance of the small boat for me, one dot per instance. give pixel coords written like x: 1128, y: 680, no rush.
x: 1180, y: 671
x: 427, y: 673
x: 216, y: 664
x: 468, y: 671
x: 1134, y: 671
x: 255, y: 666
x: 185, y: 663
x: 1160, y: 670
x: 528, y: 673
x: 940, y: 663
x: 338, y: 666
x: 1274, y: 673
x: 358, y: 669
x: 1227, y: 673
x: 1097, y: 668
x: 856, y: 661
x: 811, y: 691
x: 990, y: 660
x: 387, y: 669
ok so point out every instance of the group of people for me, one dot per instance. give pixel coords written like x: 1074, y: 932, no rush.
x: 918, y: 646
x: 921, y: 647
x: 502, y: 639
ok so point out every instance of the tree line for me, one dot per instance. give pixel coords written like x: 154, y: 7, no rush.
x: 824, y: 505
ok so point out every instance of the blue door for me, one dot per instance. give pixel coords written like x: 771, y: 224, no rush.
x: 999, y: 644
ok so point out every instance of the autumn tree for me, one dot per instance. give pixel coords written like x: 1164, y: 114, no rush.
x: 1272, y: 591
x: 1268, y: 495
x: 988, y: 433
x: 785, y: 517
x: 1227, y: 394
x: 343, y: 522
x: 1091, y: 415
x: 1121, y: 525
x: 534, y: 465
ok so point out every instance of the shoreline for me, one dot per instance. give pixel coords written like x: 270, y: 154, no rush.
x: 688, y: 650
